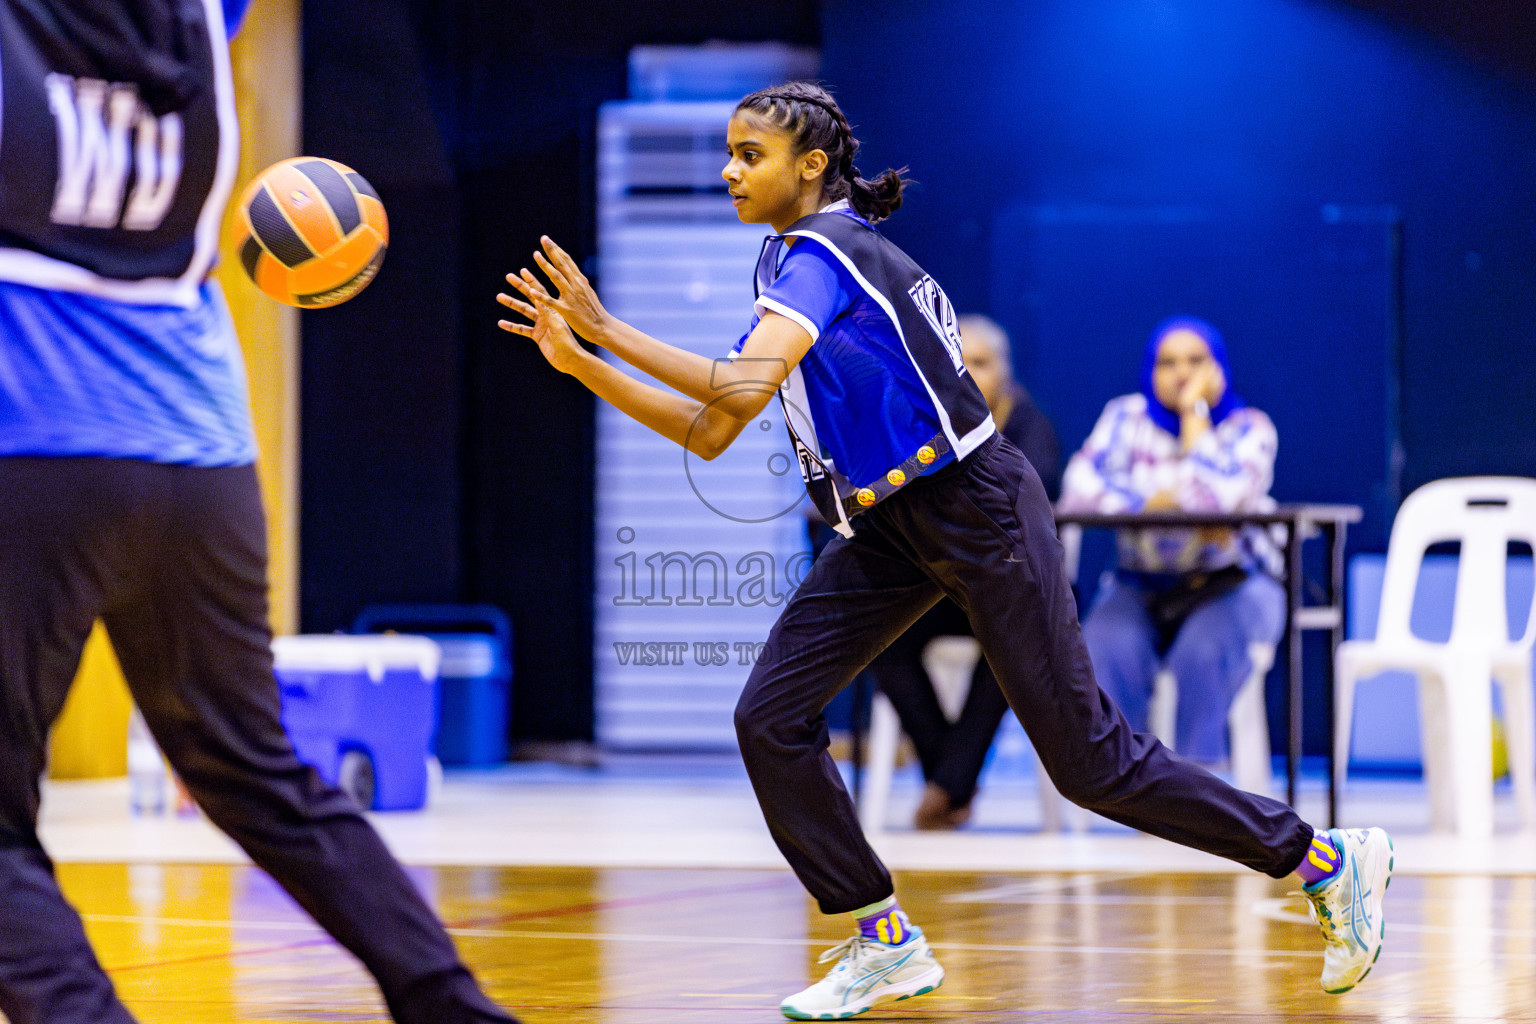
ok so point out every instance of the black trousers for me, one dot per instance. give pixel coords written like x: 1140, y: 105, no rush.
x: 173, y: 560
x: 951, y: 753
x: 982, y: 533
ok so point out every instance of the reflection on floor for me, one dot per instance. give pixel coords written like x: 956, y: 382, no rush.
x: 198, y: 944
x: 647, y: 890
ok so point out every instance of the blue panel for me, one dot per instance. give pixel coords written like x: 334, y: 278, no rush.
x: 1254, y: 116
x: 1291, y: 294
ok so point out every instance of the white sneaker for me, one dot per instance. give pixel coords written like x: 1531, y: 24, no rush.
x: 867, y: 972
x: 1348, y: 907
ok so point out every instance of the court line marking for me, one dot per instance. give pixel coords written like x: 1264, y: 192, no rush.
x: 1102, y: 900
x: 1167, y: 1002
x: 779, y: 995
x: 962, y: 947
x: 977, y: 947
x: 1279, y: 910
x: 712, y: 940
x: 1040, y: 887
x: 590, y: 906
x: 191, y: 922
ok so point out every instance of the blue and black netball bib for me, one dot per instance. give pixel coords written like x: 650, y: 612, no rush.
x: 117, y: 145
x: 117, y: 152
x: 883, y: 395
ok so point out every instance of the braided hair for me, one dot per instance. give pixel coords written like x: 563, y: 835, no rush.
x: 813, y: 119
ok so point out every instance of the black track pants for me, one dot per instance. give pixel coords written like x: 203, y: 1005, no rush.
x: 982, y: 532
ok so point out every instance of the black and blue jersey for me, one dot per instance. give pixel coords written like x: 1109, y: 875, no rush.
x: 114, y: 342
x: 883, y: 395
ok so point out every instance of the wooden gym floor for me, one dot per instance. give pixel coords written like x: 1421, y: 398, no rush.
x: 197, y: 944
x: 651, y: 894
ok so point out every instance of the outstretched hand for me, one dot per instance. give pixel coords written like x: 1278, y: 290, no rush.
x: 548, y: 330
x: 573, y: 297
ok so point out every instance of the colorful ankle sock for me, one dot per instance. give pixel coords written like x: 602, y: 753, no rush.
x: 884, y: 922
x: 1322, y: 861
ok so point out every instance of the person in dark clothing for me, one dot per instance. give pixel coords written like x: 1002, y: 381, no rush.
x: 952, y: 753
x: 904, y: 460
x: 128, y: 493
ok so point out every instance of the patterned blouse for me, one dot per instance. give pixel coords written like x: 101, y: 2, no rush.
x: 1128, y: 458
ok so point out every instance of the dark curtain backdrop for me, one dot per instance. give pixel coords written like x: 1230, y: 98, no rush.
x: 443, y: 460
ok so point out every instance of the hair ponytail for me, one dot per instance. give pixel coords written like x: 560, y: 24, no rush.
x: 878, y: 199
x: 814, y: 121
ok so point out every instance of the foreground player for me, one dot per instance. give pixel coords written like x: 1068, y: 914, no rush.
x: 862, y: 345
x: 128, y: 492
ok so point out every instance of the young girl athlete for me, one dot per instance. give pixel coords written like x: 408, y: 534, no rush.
x: 901, y: 455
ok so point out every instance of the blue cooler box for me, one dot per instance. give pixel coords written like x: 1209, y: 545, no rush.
x: 474, y: 684
x: 362, y: 710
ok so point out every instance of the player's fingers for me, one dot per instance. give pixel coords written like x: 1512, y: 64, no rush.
x: 554, y: 273
x: 529, y: 287
x: 559, y: 307
x: 535, y: 290
x: 517, y: 305
x: 526, y: 330
x: 563, y: 260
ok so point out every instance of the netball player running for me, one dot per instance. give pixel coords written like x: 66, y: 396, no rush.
x: 902, y: 457
x: 128, y: 493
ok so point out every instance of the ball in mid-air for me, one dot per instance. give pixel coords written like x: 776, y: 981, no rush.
x: 310, y: 232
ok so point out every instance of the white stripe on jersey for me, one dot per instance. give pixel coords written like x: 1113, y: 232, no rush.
x: 766, y: 304
x: 962, y: 446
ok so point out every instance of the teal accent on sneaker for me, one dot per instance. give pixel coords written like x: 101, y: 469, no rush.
x: 1348, y: 907
x: 866, y: 974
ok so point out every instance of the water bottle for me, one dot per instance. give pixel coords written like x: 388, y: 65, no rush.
x: 146, y: 769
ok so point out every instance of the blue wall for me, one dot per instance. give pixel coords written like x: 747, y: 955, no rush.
x: 1352, y: 203
x: 1086, y: 168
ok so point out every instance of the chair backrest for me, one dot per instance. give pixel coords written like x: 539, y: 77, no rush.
x: 1481, y: 513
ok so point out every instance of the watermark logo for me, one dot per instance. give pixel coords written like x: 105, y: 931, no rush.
x: 662, y: 579
x: 754, y: 479
x: 706, y: 653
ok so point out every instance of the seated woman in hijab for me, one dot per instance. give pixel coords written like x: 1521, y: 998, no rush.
x: 1191, y: 600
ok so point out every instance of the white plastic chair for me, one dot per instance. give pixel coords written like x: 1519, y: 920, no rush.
x: 1247, y: 721
x: 949, y: 662
x: 1484, y: 514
